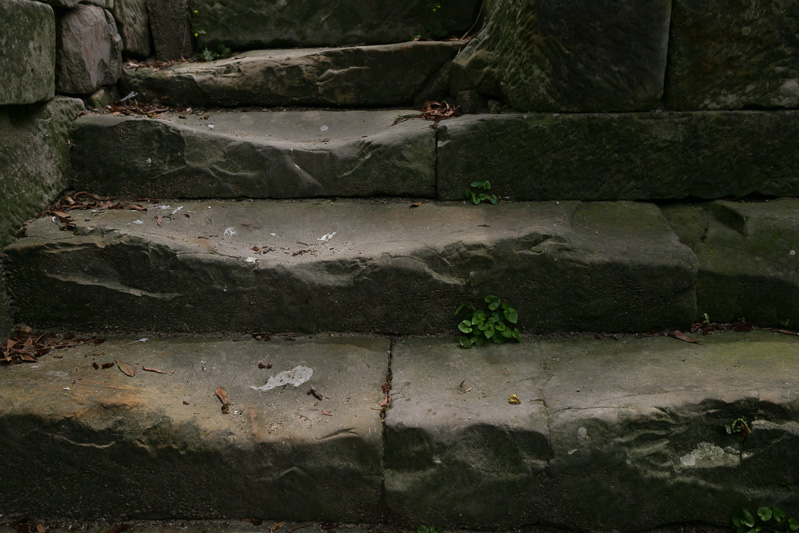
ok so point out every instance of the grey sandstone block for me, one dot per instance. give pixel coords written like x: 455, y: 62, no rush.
x: 257, y: 155
x: 254, y: 24
x: 560, y: 55
x: 732, y: 55
x: 28, y: 44
x: 748, y: 259
x: 89, y: 50
x: 631, y: 156
x: 133, y: 24
x: 169, y: 24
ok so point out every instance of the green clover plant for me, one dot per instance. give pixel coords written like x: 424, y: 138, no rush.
x: 476, y: 196
x: 495, y: 324
x: 768, y: 519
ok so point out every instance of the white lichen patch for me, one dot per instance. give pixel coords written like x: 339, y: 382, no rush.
x: 708, y: 455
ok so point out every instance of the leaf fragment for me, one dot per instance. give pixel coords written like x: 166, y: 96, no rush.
x: 679, y: 335
x: 514, y: 400
x: 221, y: 393
x: 126, y: 369
x: 154, y: 370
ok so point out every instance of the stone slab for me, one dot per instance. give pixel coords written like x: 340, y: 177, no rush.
x: 170, y: 28
x: 252, y: 24
x: 559, y: 55
x: 34, y: 159
x: 631, y: 156
x: 257, y: 155
x: 89, y: 50
x: 27, y: 64
x: 748, y: 258
x: 626, y: 434
x: 133, y: 24
x: 729, y: 55
x: 361, y: 76
x: 100, y: 443
x: 353, y: 266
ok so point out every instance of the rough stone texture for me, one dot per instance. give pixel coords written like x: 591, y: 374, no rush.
x: 625, y: 434
x: 621, y: 156
x: 561, y: 55
x: 69, y: 4
x: 748, y: 258
x: 169, y: 24
x: 133, y: 24
x: 34, y: 159
x: 27, y: 63
x: 732, y: 55
x: 100, y: 443
x: 257, y: 155
x: 254, y: 24
x: 375, y: 267
x: 397, y: 74
x: 89, y: 50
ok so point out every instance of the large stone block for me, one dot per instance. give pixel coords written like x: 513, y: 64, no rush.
x: 169, y: 23
x: 133, y: 23
x: 748, y: 259
x: 725, y: 54
x: 28, y: 44
x: 630, y: 156
x: 254, y: 24
x: 89, y: 52
x: 357, y: 76
x: 257, y: 155
x: 560, y: 55
x: 34, y: 159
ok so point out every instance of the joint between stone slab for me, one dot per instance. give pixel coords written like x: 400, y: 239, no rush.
x: 548, y: 377
x: 386, y: 389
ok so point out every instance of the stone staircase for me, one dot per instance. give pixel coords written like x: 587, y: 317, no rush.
x: 291, y: 229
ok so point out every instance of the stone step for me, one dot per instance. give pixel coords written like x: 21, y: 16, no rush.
x: 296, y: 154
x: 372, y: 266
x: 619, y: 434
x: 355, y: 76
x: 256, y: 154
x: 250, y: 24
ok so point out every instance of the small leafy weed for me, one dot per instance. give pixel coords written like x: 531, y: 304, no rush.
x: 496, y: 324
x: 476, y: 195
x: 425, y: 529
x: 739, y: 426
x: 221, y: 52
x: 767, y: 519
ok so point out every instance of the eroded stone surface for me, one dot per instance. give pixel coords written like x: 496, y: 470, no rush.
x: 557, y: 55
x: 748, y: 258
x: 253, y: 24
x: 364, y: 76
x: 354, y: 266
x: 257, y: 155
x: 133, y: 23
x: 159, y: 446
x: 621, y: 156
x: 27, y: 64
x: 725, y: 55
x: 170, y: 26
x: 89, y: 50
x: 626, y: 433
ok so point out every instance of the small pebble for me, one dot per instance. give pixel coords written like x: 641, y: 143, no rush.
x: 87, y: 219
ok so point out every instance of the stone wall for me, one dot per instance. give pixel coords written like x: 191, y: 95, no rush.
x: 635, y: 55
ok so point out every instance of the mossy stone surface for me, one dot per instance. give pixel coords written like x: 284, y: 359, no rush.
x: 28, y: 44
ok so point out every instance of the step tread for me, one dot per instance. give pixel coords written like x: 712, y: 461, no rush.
x: 624, y: 413
x: 296, y: 154
x: 318, y: 265
x: 369, y: 76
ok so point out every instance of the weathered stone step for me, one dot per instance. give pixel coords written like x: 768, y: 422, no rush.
x: 349, y: 265
x: 622, y: 156
x: 250, y: 24
x: 626, y: 434
x: 256, y: 154
x: 356, y: 76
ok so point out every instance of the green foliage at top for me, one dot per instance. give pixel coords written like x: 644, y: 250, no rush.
x: 768, y: 519
x: 221, y: 52
x: 481, y: 326
x: 476, y: 195
x: 739, y: 426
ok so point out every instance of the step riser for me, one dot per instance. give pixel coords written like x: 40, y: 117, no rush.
x: 536, y: 157
x: 387, y: 75
x: 389, y: 269
x: 626, y: 434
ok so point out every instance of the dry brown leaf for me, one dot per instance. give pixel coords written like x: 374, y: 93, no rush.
x: 221, y: 393
x: 416, y: 204
x: 125, y: 368
x: 277, y: 526
x: 155, y: 370
x: 787, y: 332
x: 327, y: 413
x: 107, y: 365
x: 679, y: 335
x: 159, y: 219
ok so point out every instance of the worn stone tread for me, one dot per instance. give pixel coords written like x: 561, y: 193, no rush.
x: 353, y: 265
x: 256, y: 154
x: 355, y: 76
x: 626, y: 432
